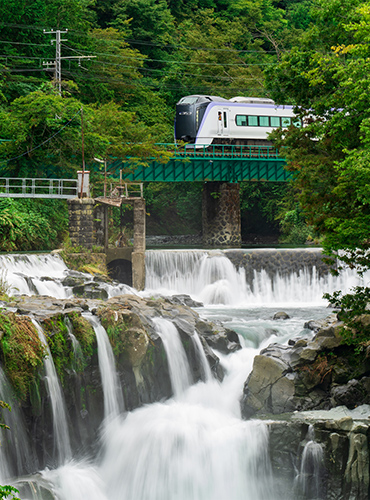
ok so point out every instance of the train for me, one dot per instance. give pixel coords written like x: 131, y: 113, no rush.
x: 203, y: 120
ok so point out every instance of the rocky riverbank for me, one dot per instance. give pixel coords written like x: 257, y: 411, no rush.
x: 141, y: 360
x: 315, y: 394
x: 312, y: 393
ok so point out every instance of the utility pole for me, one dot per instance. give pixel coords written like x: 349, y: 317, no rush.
x: 58, y: 57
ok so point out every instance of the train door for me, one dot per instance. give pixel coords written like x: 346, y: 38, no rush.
x: 225, y: 118
x: 223, y: 122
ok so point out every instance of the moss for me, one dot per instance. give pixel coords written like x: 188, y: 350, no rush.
x: 22, y: 351
x: 84, y: 332
x: 84, y: 260
x: 117, y: 325
x: 60, y: 344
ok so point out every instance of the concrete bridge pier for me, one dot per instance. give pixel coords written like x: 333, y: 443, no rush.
x: 221, y: 214
x: 138, y: 254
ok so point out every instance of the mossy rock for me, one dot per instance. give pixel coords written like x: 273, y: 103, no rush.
x: 21, y: 350
x: 126, y: 333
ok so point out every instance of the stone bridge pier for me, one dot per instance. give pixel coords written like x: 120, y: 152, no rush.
x: 221, y: 214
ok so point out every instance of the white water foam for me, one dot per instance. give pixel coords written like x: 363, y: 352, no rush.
x: 30, y: 274
x: 211, y: 278
x: 113, y: 398
x: 177, y: 362
x: 60, y: 422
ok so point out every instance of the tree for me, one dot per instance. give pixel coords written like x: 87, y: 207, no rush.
x: 328, y: 76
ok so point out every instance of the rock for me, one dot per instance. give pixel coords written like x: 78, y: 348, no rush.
x: 184, y: 300
x: 281, y: 315
x: 217, y: 337
x: 316, y: 373
x: 267, y: 388
x: 349, y: 394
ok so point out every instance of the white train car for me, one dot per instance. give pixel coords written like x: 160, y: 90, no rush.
x: 205, y: 120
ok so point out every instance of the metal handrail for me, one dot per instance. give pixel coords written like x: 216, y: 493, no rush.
x: 15, y: 187
x: 228, y: 151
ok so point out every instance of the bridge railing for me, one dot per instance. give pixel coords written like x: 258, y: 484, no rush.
x: 222, y: 150
x: 14, y: 187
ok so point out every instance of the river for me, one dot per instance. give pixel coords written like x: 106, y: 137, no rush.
x: 194, y: 446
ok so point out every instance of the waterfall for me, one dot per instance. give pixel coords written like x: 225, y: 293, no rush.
x: 60, y: 426
x: 210, y: 277
x: 177, y: 362
x: 309, y: 479
x: 30, y: 274
x: 44, y: 274
x: 207, y: 374
x: 113, y: 399
x: 194, y: 446
x: 15, y: 448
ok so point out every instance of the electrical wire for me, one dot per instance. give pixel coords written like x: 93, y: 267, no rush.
x: 47, y: 140
x: 146, y: 59
x: 141, y: 42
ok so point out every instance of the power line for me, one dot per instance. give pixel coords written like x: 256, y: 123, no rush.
x: 141, y: 83
x: 47, y: 140
x: 170, y: 61
x: 148, y: 43
x: 24, y: 43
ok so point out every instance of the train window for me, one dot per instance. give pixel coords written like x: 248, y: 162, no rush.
x: 225, y: 119
x: 188, y: 100
x: 297, y: 122
x: 241, y: 120
x: 286, y: 121
x: 264, y: 121
x: 275, y: 121
x: 253, y: 121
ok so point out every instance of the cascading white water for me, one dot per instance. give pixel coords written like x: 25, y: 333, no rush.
x: 194, y: 446
x: 43, y: 274
x: 208, y: 276
x: 60, y: 422
x: 14, y: 440
x: 177, y: 362
x: 308, y: 481
x: 25, y: 274
x: 113, y: 399
x: 207, y: 374
x: 211, y: 278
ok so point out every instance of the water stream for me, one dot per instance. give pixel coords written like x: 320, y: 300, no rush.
x: 194, y: 446
x: 59, y: 414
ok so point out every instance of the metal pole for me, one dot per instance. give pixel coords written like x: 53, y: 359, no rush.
x: 105, y: 177
x: 83, y: 152
x: 58, y: 57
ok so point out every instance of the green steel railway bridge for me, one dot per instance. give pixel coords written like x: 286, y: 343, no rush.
x: 221, y: 163
x: 220, y: 167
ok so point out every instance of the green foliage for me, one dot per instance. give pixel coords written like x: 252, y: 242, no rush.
x: 59, y: 343
x: 327, y: 75
x: 355, y: 314
x: 8, y: 492
x: 21, y: 350
x: 31, y: 225
x: 294, y: 228
x: 7, y: 407
x: 173, y: 208
x: 84, y: 333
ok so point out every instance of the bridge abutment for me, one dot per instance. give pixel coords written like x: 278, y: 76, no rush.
x: 221, y: 214
x: 81, y: 222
